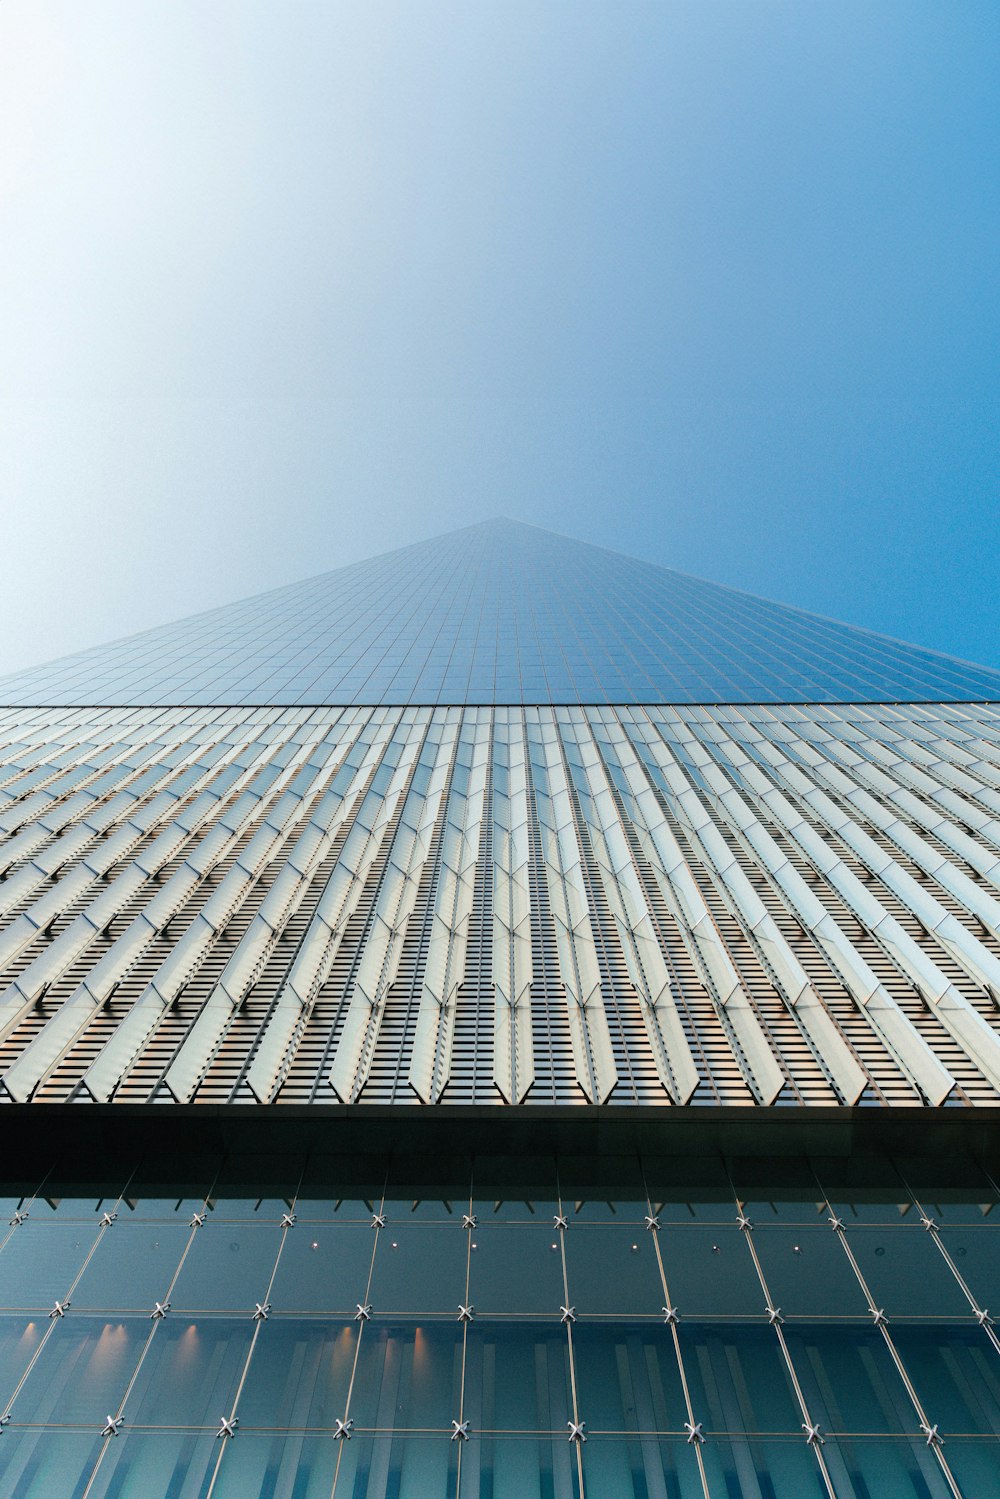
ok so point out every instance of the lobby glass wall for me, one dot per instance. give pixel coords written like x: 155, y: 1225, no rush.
x: 373, y: 1330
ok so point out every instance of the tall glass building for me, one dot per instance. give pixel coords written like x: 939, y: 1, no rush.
x: 500, y: 1021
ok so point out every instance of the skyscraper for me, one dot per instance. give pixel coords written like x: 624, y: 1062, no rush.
x: 500, y: 1019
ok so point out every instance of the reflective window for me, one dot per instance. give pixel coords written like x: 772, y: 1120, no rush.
x: 613, y: 1271
x: 516, y: 1270
x: 710, y: 1272
x: 440, y: 1323
x: 906, y: 1273
x: 420, y: 1268
x: 228, y: 1267
x: 323, y: 1267
x: 807, y: 1272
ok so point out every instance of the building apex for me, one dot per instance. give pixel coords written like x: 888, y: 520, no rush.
x: 501, y: 612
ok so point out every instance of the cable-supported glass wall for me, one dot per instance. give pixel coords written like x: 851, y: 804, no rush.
x: 375, y: 1329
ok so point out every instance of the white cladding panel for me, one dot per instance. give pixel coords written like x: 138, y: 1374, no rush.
x: 761, y: 906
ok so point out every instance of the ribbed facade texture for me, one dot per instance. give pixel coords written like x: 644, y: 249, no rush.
x: 502, y: 906
x: 500, y: 1019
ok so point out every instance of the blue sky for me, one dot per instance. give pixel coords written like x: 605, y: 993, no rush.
x: 282, y: 285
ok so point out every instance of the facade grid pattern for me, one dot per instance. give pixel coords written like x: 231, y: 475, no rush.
x: 503, y: 613
x: 334, y: 1339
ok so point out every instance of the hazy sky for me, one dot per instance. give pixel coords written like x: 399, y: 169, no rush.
x: 284, y: 284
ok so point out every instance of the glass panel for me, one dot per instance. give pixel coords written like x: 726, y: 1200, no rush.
x: 628, y: 1380
x: 419, y: 1190
x: 132, y: 1267
x: 190, y: 1373
x: 82, y: 1371
x: 40, y: 1261
x: 297, y: 1464
x: 170, y: 1198
x: 71, y: 1201
x: 873, y: 1205
x: 904, y: 1469
x: 777, y: 1467
x: 228, y: 1267
x: 323, y: 1267
x: 613, y: 1270
x: 956, y: 1373
x: 778, y: 1190
x: 299, y: 1374
x: 259, y: 1187
x: 710, y: 1272
x: 976, y: 1253
x: 517, y: 1377
x: 408, y: 1377
x: 906, y: 1273
x: 15, y: 1197
x: 342, y: 1189
x: 808, y: 1273
x: 157, y: 1465
x: 690, y: 1189
x: 516, y: 1189
x: 502, y: 1466
x: 40, y: 1464
x: 956, y: 1192
x: 382, y: 1467
x: 849, y: 1380
x: 516, y: 1270
x: 420, y: 1269
x: 974, y: 1464
x: 605, y: 1189
x: 738, y: 1379
x: 19, y: 1342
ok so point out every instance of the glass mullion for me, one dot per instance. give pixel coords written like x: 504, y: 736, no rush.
x: 811, y: 1430
x: 22, y: 1212
x: 157, y: 1316
x: 567, y: 1312
x: 927, y: 1427
x: 670, y: 1318
x: 670, y: 1314
x: 343, y: 1431
x: 409, y: 1373
x: 466, y: 1312
x: 228, y: 1424
x: 63, y: 1304
x: 980, y: 1313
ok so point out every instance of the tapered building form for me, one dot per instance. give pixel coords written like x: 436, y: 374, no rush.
x: 500, y: 1019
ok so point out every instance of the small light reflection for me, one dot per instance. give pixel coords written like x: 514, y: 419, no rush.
x: 111, y: 1339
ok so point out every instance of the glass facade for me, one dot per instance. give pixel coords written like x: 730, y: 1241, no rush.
x: 363, y: 1327
x: 503, y: 613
